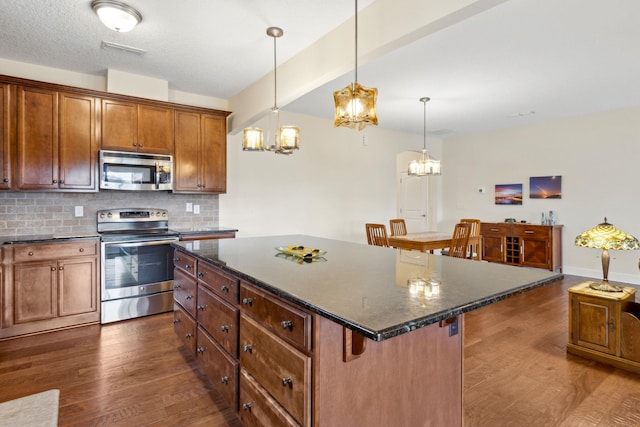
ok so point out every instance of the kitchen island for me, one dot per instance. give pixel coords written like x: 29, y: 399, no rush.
x: 362, y: 335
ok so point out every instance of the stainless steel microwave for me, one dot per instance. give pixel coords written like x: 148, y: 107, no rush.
x: 122, y: 170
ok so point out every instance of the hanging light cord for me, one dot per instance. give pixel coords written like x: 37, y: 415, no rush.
x: 424, y: 122
x: 275, y: 76
x: 356, y: 38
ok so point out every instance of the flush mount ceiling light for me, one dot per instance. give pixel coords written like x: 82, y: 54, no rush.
x: 115, y: 15
x: 426, y: 165
x: 355, y: 104
x: 280, y: 139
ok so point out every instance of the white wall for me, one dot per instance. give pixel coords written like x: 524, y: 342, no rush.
x: 330, y: 188
x: 596, y: 155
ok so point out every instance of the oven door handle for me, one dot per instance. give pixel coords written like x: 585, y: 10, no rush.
x: 142, y: 243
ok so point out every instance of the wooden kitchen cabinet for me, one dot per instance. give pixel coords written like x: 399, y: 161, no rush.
x: 604, y: 326
x: 130, y: 126
x: 526, y: 245
x: 56, y: 134
x: 49, y: 286
x: 7, y: 95
x: 200, y: 153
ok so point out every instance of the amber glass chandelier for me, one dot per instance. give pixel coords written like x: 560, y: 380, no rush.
x: 426, y: 165
x: 280, y: 139
x: 355, y: 104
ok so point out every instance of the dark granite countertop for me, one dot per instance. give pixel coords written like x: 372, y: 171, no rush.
x: 365, y: 287
x: 194, y: 231
x: 43, y: 238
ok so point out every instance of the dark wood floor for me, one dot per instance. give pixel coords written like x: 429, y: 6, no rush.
x: 135, y: 373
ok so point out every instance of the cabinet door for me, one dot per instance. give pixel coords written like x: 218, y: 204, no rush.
x: 535, y: 252
x: 119, y: 125
x: 37, y: 130
x: 214, y: 154
x: 77, y: 286
x: 593, y: 323
x: 187, y: 157
x: 493, y: 242
x: 5, y: 136
x: 155, y: 129
x: 34, y: 291
x: 77, y: 142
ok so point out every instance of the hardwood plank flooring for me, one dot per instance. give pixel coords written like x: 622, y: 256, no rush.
x: 135, y: 373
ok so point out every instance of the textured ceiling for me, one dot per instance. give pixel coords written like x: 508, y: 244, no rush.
x: 522, y: 61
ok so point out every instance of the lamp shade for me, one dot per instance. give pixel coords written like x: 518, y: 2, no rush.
x: 117, y: 16
x: 606, y: 236
x: 355, y: 106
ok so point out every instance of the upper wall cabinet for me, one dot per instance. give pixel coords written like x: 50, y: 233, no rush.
x: 200, y: 160
x: 6, y: 135
x: 131, y: 126
x: 56, y: 140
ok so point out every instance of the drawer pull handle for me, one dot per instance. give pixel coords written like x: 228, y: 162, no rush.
x: 176, y: 259
x: 529, y: 231
x: 495, y: 229
x: 200, y: 350
x: 287, y: 324
x: 30, y: 253
x: 176, y: 321
x: 224, y: 288
x: 224, y: 380
x: 189, y: 297
x: 201, y: 307
x: 200, y: 274
x: 286, y: 381
x: 224, y: 328
x: 53, y: 269
x: 247, y: 348
x: 247, y: 301
x: 187, y: 266
x: 81, y: 249
x: 177, y: 286
x: 246, y: 406
x: 188, y: 336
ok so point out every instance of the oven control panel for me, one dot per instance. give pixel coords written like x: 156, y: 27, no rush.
x: 132, y: 215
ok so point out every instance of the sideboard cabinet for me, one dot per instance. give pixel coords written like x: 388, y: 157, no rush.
x: 527, y: 245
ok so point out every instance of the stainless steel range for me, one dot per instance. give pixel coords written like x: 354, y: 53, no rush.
x: 137, y: 263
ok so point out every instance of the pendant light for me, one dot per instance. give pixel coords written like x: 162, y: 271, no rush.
x: 116, y: 15
x: 280, y: 139
x: 355, y: 104
x: 426, y: 165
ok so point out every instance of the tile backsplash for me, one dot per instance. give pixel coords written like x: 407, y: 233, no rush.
x: 27, y: 213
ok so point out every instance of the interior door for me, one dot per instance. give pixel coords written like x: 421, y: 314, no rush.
x: 414, y: 202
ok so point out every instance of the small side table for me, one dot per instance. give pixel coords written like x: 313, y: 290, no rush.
x: 595, y: 324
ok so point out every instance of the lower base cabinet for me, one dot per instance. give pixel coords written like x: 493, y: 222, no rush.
x: 292, y: 367
x: 49, y: 286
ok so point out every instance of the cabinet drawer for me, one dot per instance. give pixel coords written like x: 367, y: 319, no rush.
x: 185, y: 328
x: 281, y: 369
x: 487, y: 228
x: 531, y: 231
x: 258, y: 408
x: 219, y: 319
x: 222, y: 284
x: 286, y: 321
x: 184, y: 291
x: 218, y: 367
x: 185, y: 262
x: 43, y: 251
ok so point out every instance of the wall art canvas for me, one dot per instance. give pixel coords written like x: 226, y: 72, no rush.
x: 545, y: 187
x: 508, y: 194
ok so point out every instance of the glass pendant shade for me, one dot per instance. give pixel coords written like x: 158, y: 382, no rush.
x: 289, y: 138
x: 605, y: 236
x: 355, y: 106
x: 252, y: 139
x: 426, y: 165
x: 117, y: 16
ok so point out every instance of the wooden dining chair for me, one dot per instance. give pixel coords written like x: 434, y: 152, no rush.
x: 475, y: 232
x: 460, y: 240
x: 398, y: 227
x: 377, y: 234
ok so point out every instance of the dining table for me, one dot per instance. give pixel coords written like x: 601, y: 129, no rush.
x: 432, y: 240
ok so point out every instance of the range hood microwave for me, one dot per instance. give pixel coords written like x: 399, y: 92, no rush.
x: 122, y: 170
